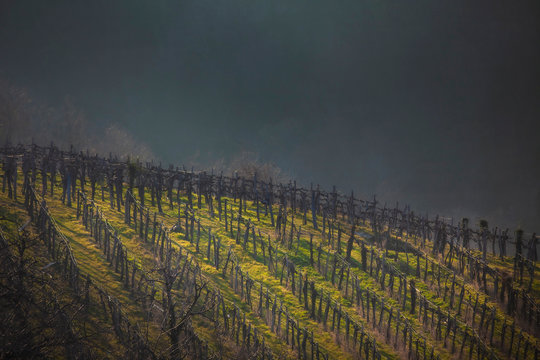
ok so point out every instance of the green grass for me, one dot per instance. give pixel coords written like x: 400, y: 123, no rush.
x: 424, y: 287
x: 92, y: 261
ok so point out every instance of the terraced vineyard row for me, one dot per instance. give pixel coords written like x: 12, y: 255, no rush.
x: 158, y: 236
x: 435, y: 275
x: 352, y: 281
x: 93, y: 299
x: 262, y: 244
x: 423, y: 300
x: 132, y: 277
x: 242, y: 282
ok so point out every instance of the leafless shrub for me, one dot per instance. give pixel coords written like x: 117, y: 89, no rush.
x: 34, y: 322
x: 247, y: 164
x: 24, y: 121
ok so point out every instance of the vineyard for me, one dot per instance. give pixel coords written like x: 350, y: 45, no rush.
x: 109, y: 258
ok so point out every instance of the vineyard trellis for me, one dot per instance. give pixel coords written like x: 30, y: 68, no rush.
x: 190, y: 274
x: 396, y: 226
x: 60, y: 250
x: 239, y: 279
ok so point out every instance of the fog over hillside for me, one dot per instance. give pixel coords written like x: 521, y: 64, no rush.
x: 432, y: 104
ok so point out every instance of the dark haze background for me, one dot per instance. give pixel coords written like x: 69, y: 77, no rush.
x: 431, y: 103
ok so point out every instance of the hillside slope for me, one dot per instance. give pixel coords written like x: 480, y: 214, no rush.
x: 203, y: 266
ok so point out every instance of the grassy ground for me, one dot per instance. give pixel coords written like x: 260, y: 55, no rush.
x: 426, y: 288
x: 257, y: 270
x: 92, y: 261
x: 301, y: 259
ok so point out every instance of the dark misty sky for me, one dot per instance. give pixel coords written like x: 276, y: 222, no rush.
x: 431, y: 103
